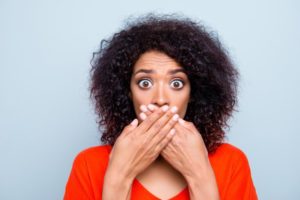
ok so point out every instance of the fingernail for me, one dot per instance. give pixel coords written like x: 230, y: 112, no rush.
x: 143, y: 108
x: 174, y: 109
x: 143, y: 116
x: 181, y: 121
x: 134, y: 122
x: 151, y: 107
x: 175, y: 117
x: 165, y: 108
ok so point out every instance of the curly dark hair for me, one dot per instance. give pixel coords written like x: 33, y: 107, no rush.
x: 211, y: 73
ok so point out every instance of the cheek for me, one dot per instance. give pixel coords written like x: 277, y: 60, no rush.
x: 181, y: 101
x: 139, y: 98
x: 182, y: 105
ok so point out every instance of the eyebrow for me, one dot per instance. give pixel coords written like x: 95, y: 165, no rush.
x: 151, y: 71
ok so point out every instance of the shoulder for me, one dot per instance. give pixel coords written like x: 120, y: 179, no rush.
x: 93, y: 156
x: 95, y: 151
x: 230, y: 155
x: 87, y: 173
x: 229, y: 151
x: 232, y: 171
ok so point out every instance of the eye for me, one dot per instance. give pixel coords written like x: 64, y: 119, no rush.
x: 145, y: 83
x: 177, y: 84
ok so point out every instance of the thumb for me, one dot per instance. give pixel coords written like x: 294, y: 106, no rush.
x: 131, y: 126
x: 182, y: 122
x: 188, y: 125
x: 127, y: 129
x: 134, y: 124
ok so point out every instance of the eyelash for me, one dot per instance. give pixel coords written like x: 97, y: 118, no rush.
x: 182, y: 82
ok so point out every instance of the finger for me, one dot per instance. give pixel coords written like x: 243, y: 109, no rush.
x: 145, y: 110
x: 165, y: 141
x: 165, y: 130
x: 165, y: 152
x: 150, y: 120
x: 184, y: 131
x: 159, y: 124
x: 152, y: 107
x: 130, y: 127
x: 189, y: 125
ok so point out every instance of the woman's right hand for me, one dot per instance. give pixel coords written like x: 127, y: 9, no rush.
x: 139, y: 145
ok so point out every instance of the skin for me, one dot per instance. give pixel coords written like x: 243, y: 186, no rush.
x: 186, y: 152
x: 160, y: 91
x: 135, y: 149
x: 165, y: 83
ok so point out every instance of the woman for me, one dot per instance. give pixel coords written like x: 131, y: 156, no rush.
x: 164, y: 89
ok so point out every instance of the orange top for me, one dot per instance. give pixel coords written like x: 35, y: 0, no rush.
x: 230, y: 166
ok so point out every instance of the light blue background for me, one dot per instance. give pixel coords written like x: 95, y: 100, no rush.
x: 46, y: 117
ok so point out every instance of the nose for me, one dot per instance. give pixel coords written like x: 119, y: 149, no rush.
x: 160, y: 96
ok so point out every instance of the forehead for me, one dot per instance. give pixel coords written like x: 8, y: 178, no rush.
x: 157, y: 61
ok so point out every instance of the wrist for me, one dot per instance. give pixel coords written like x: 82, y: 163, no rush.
x: 204, y: 190
x: 116, y: 186
x: 120, y: 172
x: 117, y: 177
x: 202, y: 184
x: 198, y: 170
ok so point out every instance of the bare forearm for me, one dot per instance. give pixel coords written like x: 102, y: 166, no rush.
x: 203, y: 187
x: 116, y: 186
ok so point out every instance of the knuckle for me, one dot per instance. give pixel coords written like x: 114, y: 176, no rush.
x: 142, y: 147
x: 166, y: 129
x: 163, y: 143
x: 168, y: 126
x: 159, y: 111
x: 128, y: 140
x: 190, y: 124
x: 175, y: 142
x: 167, y: 138
x: 160, y: 146
x: 171, y: 122
x: 168, y: 115
x: 151, y: 120
x: 157, y: 125
x: 125, y: 128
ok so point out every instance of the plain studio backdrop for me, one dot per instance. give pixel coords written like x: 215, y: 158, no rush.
x: 46, y: 116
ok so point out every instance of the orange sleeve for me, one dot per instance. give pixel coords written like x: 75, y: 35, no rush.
x: 79, y: 186
x: 240, y: 186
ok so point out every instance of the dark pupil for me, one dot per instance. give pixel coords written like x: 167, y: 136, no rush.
x: 145, y: 84
x: 176, y: 84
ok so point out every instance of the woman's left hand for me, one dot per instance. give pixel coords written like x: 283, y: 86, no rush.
x: 187, y: 153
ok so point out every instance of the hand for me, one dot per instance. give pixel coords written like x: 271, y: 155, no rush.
x: 186, y: 152
x: 139, y: 145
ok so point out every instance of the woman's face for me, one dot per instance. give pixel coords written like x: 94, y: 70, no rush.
x: 159, y: 80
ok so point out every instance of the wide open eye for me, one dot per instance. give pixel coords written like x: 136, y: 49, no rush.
x: 177, y: 84
x: 145, y: 83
